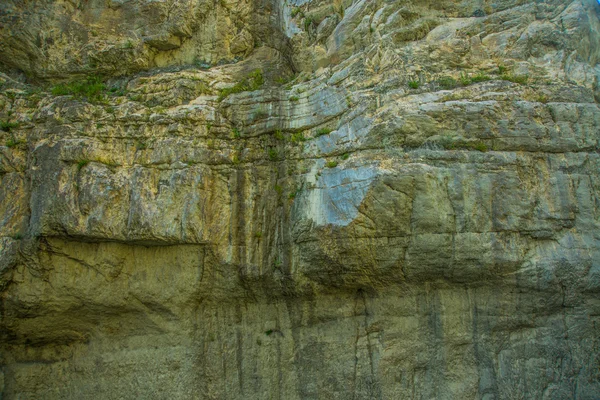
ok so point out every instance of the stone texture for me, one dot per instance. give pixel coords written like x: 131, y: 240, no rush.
x: 406, y: 208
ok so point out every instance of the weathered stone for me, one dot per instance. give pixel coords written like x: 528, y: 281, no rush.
x: 402, y: 204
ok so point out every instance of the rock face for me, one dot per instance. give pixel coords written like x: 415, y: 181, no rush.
x: 364, y: 200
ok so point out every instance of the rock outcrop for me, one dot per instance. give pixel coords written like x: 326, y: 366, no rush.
x: 263, y: 199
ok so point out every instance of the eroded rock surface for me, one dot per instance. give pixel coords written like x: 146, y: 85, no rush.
x: 365, y: 200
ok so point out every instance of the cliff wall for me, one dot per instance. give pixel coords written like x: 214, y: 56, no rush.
x: 300, y: 200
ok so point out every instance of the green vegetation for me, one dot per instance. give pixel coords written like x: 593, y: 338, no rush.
x: 466, y: 80
x: 502, y: 69
x: 273, y: 156
x: 413, y: 84
x: 258, y: 234
x: 447, y: 82
x: 17, y: 236
x: 345, y: 156
x: 8, y: 126
x: 331, y: 164
x: 279, y: 135
x: 449, y: 143
x: 12, y: 142
x: 294, y: 98
x: 235, y: 160
x: 117, y: 91
x: 298, y: 137
x: 308, y: 23
x: 252, y: 82
x: 323, y: 131
x: 282, y: 80
x: 141, y: 145
x: 92, y: 89
x: 520, y: 79
x: 278, y: 189
x: 236, y: 133
x: 480, y: 77
x: 82, y: 163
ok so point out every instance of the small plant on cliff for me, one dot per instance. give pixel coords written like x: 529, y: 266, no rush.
x: 447, y: 82
x: 298, y: 137
x: 294, y: 98
x: 331, y: 164
x: 141, y: 145
x: 273, y: 156
x: 8, y: 126
x: 480, y: 77
x: 82, y: 163
x: 251, y: 83
x: 278, y: 135
x: 323, y: 131
x: 92, y: 89
x: 413, y: 84
x: 520, y: 79
x: 13, y: 142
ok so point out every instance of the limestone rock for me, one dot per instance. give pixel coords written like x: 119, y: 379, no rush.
x: 300, y: 200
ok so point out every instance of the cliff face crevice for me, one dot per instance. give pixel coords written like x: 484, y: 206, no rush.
x: 299, y: 199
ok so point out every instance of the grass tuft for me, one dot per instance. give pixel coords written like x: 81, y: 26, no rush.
x: 92, y: 89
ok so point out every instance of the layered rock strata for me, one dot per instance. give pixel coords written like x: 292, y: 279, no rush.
x: 345, y: 200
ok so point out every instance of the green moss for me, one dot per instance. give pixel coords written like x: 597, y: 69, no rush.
x: 294, y: 98
x: 236, y: 133
x: 413, y: 84
x: 345, y: 156
x: 278, y: 135
x: 331, y: 164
